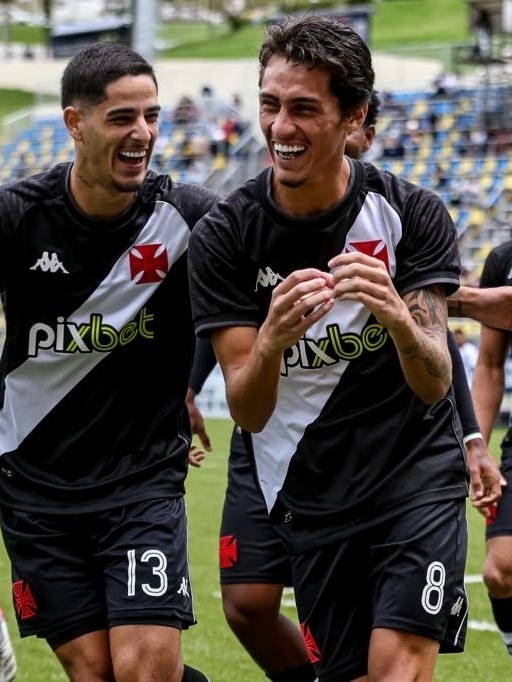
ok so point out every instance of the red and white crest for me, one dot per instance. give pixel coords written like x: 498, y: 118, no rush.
x: 148, y: 263
x: 373, y: 247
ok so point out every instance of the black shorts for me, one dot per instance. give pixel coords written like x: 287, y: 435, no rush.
x: 500, y: 521
x: 406, y: 574
x: 250, y: 549
x: 85, y: 572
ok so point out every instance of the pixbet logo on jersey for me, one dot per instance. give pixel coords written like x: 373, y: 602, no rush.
x: 95, y: 335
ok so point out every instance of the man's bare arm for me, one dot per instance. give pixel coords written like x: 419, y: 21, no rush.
x: 491, y: 306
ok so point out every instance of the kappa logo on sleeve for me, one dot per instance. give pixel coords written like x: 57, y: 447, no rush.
x: 148, y: 263
x: 24, y: 601
x: 373, y: 247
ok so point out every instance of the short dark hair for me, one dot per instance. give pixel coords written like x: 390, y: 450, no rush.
x: 93, y: 68
x: 319, y: 42
x: 373, y: 110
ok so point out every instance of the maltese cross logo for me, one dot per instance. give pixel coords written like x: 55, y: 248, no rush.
x: 148, y: 263
x: 228, y: 551
x: 373, y: 247
x: 26, y: 606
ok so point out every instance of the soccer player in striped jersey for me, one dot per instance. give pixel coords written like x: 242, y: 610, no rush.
x: 94, y: 434
x: 323, y: 285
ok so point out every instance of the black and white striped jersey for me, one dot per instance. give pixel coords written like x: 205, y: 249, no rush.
x: 348, y: 438
x: 99, y: 343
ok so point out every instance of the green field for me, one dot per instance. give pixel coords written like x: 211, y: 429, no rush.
x: 425, y: 25
x: 210, y: 644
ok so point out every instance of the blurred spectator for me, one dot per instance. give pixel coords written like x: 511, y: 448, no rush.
x: 159, y: 151
x: 433, y: 124
x: 483, y: 35
x: 236, y: 114
x: 445, y: 85
x: 413, y: 135
x: 236, y: 106
x: 478, y: 141
x: 441, y: 177
x: 391, y: 106
x: 464, y: 144
x: 194, y: 149
x: 185, y: 111
x: 501, y: 140
x: 230, y: 128
x: 207, y: 103
x: 216, y: 136
x: 465, y: 190
x: 393, y: 141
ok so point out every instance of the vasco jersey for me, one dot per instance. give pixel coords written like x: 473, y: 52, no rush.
x: 348, y: 439
x: 497, y: 271
x: 99, y: 343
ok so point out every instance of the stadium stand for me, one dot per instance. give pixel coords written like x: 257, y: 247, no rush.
x: 436, y: 141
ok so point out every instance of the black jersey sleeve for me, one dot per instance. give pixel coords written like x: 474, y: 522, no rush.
x: 497, y: 269
x: 429, y: 237
x: 222, y: 278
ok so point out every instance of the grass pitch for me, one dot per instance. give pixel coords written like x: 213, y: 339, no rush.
x: 211, y: 646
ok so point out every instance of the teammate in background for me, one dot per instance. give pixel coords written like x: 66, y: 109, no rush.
x: 94, y: 433
x: 322, y: 283
x: 8, y: 666
x: 360, y: 141
x: 488, y: 388
x: 491, y: 306
x: 254, y: 566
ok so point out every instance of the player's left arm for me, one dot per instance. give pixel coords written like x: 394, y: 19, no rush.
x: 416, y: 322
x: 423, y: 349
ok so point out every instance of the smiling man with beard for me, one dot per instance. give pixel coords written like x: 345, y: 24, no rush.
x: 94, y: 434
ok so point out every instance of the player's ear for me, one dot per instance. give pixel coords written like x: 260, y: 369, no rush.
x: 357, y: 117
x: 369, y: 134
x: 72, y: 118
